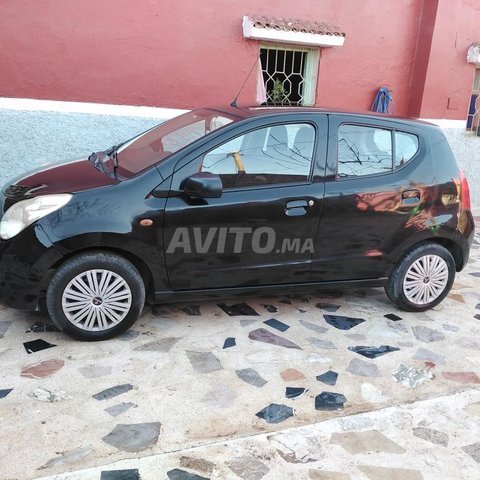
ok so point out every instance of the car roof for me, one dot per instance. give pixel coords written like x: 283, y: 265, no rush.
x: 251, y: 111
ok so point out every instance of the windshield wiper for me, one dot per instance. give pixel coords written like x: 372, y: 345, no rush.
x: 99, y: 159
x: 96, y: 160
x: 112, y: 153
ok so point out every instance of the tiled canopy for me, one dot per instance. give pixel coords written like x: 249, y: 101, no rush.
x: 289, y: 30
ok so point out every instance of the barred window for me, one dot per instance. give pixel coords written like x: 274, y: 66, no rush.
x: 290, y: 74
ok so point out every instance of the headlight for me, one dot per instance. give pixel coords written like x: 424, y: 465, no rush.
x: 24, y: 213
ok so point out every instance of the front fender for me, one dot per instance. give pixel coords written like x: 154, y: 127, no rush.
x: 148, y: 259
x: 112, y: 218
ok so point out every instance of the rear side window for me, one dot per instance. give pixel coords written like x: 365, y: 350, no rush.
x: 363, y: 151
x: 406, y: 147
x: 368, y: 150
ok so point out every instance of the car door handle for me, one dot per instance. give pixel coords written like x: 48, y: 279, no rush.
x: 296, y: 204
x: 295, y: 208
x: 411, y: 197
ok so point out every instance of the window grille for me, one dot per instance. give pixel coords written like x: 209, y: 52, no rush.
x: 473, y: 118
x: 476, y: 82
x: 290, y: 74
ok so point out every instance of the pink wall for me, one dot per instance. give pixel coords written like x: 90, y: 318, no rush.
x: 185, y: 53
x: 378, y: 50
x: 421, y: 57
x: 449, y: 77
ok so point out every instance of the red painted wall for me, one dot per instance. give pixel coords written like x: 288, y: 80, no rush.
x: 449, y: 78
x: 188, y: 53
x: 421, y: 57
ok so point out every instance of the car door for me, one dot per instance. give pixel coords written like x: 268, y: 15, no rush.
x: 261, y: 230
x: 369, y: 199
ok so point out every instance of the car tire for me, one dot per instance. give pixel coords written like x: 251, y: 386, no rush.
x: 422, y: 278
x: 95, y: 296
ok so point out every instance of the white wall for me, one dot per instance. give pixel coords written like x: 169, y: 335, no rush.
x: 34, y: 132
x: 466, y: 148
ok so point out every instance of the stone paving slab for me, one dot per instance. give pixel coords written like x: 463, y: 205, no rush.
x: 171, y: 384
x: 427, y: 440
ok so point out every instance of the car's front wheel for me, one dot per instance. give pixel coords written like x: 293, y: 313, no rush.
x: 95, y: 296
x: 422, y: 278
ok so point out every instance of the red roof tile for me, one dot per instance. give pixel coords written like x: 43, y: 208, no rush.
x: 296, y: 25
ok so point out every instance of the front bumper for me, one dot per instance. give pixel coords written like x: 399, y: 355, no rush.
x: 24, y: 264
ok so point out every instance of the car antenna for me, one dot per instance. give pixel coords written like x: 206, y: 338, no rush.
x: 234, y: 103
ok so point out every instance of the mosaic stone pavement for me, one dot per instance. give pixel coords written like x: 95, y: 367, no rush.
x: 326, y: 386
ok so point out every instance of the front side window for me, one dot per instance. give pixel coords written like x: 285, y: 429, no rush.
x: 271, y: 155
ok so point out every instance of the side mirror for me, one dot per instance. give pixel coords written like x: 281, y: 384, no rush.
x: 203, y: 185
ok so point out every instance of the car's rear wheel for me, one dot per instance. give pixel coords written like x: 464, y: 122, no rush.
x: 95, y: 296
x: 422, y: 278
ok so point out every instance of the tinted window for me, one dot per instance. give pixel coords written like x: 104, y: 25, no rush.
x: 363, y: 151
x: 268, y: 156
x: 406, y: 147
x: 158, y: 143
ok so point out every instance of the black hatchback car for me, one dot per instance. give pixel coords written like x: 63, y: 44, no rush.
x: 227, y: 202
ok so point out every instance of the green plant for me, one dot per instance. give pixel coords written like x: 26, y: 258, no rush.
x: 278, y: 93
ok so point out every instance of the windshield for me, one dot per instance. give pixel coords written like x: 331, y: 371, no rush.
x: 169, y: 137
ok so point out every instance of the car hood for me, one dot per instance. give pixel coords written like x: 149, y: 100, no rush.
x: 67, y: 177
